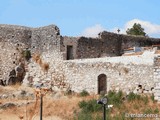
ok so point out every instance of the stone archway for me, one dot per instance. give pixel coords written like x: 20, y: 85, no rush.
x: 102, y: 83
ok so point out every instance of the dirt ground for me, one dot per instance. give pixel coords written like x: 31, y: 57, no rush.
x: 57, y: 106
x: 5, y: 116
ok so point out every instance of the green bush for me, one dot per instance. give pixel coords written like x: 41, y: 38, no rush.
x: 90, y: 106
x: 156, y: 111
x: 84, y: 93
x: 26, y: 54
x: 132, y: 96
x: 148, y: 111
x: 115, y: 98
x: 82, y: 104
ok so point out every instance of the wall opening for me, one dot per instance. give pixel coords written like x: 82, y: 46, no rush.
x: 102, y: 83
x: 69, y: 52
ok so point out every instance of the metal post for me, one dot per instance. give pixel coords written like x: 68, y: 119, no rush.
x: 41, y: 107
x: 104, y: 111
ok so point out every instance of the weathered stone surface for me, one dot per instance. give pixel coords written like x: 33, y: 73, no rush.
x: 126, y: 73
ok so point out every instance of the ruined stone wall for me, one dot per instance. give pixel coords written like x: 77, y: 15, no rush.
x: 95, y: 48
x: 13, y: 39
x: 128, y: 41
x: 69, y: 41
x: 108, y: 44
x: 123, y: 73
x: 45, y: 39
x: 156, y: 79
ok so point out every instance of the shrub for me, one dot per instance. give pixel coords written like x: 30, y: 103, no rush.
x: 156, y: 110
x: 84, y: 93
x: 115, y: 98
x: 82, y: 104
x: 90, y: 106
x: 26, y: 54
x: 132, y: 96
x: 148, y: 111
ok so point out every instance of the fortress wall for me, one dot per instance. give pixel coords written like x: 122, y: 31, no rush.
x: 95, y: 48
x: 69, y: 41
x: 13, y: 39
x: 128, y: 41
x: 108, y: 44
x: 123, y: 73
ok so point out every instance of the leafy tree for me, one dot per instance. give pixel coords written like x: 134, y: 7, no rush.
x: 136, y: 30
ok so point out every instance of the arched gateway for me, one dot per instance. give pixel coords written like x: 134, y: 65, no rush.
x: 102, y: 83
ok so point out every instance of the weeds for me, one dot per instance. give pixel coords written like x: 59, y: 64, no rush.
x: 115, y: 98
x: 84, y: 93
x: 38, y: 60
x: 90, y: 106
x: 26, y: 54
x: 45, y: 67
x: 132, y: 97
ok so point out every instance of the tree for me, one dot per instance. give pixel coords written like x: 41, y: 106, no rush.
x: 136, y: 30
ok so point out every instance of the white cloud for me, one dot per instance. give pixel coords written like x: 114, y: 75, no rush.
x: 92, y: 31
x: 150, y: 28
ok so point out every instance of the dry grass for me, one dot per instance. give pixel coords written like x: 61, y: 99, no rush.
x: 65, y: 107
x: 36, y: 57
x: 45, y: 67
x: 38, y: 60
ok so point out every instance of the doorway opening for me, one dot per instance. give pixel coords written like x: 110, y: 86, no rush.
x: 102, y: 83
x: 69, y: 52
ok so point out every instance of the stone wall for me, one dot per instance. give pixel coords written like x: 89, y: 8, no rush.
x: 15, y: 39
x: 125, y: 73
x: 69, y: 41
x: 156, y: 79
x: 108, y: 44
x: 128, y: 41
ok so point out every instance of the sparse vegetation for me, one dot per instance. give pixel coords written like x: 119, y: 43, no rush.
x: 74, y: 107
x: 122, y: 104
x: 45, y: 67
x: 132, y: 97
x: 38, y: 60
x: 26, y: 54
x: 84, y: 93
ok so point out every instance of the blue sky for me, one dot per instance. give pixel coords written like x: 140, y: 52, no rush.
x: 83, y: 17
